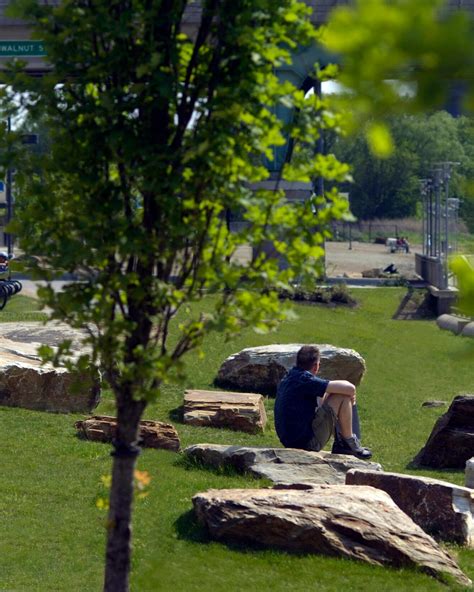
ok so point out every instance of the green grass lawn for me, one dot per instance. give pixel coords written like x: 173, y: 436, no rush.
x: 466, y: 243
x: 52, y: 534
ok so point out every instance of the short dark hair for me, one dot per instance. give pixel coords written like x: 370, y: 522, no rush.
x: 307, y: 357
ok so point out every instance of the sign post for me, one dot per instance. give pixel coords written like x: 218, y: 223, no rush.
x: 9, y: 199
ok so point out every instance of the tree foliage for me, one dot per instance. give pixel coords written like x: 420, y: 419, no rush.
x: 155, y: 135
x: 464, y: 269
x: 389, y: 187
x: 421, y: 44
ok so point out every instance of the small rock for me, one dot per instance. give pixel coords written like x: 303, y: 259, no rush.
x: 372, y: 273
x: 236, y: 411
x: 152, y: 434
x: 434, y: 404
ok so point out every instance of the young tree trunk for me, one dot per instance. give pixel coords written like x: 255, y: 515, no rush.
x: 119, y: 530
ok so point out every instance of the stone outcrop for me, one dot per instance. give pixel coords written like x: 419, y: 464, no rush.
x: 441, y: 509
x: 260, y: 369
x: 25, y: 382
x: 451, y: 442
x: 152, y: 434
x: 236, y: 411
x: 354, y: 522
x: 286, y: 467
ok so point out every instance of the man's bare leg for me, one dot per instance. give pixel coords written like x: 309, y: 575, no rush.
x: 342, y: 407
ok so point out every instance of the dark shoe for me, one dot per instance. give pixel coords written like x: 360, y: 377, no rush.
x: 340, y: 447
x: 355, y: 448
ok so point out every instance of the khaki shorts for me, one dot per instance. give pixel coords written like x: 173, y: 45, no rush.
x: 323, y: 426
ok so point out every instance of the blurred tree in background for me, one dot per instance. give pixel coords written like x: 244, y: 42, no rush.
x: 389, y: 187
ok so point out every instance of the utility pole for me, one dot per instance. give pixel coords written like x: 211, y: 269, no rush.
x: 318, y: 183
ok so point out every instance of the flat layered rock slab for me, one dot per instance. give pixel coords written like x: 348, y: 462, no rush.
x: 260, y: 369
x: 25, y: 382
x: 355, y: 522
x: 152, y: 434
x: 443, y: 510
x: 286, y: 467
x: 237, y: 411
x: 451, y: 442
x: 51, y: 334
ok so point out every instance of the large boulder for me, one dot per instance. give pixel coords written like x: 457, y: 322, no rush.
x: 260, y: 369
x: 286, y: 467
x: 354, y: 522
x: 451, y: 442
x: 441, y: 509
x: 26, y: 382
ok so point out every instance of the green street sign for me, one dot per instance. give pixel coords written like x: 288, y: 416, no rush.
x: 13, y: 49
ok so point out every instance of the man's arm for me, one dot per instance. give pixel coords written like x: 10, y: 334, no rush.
x: 341, y: 387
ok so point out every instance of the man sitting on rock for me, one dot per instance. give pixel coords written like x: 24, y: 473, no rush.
x: 307, y: 408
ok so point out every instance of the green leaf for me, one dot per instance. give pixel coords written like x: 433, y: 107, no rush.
x: 464, y: 270
x: 380, y: 140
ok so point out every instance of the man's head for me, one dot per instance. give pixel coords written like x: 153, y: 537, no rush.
x: 307, y: 358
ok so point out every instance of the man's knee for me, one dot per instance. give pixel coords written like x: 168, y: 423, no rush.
x: 335, y: 401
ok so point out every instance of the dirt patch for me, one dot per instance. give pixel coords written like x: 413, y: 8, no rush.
x: 340, y: 259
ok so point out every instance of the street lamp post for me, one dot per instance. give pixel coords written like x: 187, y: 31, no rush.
x: 9, y: 199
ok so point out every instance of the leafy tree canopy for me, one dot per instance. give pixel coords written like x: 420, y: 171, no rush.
x: 155, y: 136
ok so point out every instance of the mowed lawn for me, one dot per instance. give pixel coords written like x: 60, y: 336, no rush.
x: 52, y: 534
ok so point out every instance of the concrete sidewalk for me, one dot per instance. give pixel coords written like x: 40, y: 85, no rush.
x: 30, y: 287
